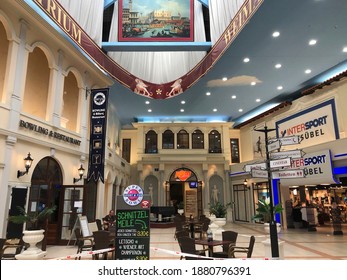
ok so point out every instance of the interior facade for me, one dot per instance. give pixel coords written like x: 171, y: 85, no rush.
x: 45, y: 83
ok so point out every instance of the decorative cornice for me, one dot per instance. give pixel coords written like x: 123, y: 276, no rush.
x: 266, y: 113
x: 325, y: 83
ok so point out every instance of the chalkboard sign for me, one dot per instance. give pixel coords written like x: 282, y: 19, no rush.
x: 132, y: 230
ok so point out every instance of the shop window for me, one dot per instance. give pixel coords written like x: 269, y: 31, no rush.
x: 197, y: 139
x: 235, y: 150
x: 214, y: 142
x: 168, y: 139
x: 151, y: 146
x: 182, y: 139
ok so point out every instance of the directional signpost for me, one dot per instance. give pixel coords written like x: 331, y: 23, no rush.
x: 275, y: 168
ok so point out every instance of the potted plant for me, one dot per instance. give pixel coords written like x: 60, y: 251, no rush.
x: 32, y: 219
x: 219, y: 209
x: 264, y: 211
x: 33, y: 234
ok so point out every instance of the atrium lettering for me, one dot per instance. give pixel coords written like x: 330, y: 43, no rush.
x: 62, y: 18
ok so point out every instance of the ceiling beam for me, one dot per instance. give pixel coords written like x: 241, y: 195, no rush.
x: 156, y: 46
x: 108, y: 3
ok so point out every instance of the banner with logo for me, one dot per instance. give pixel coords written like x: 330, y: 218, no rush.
x: 98, y: 118
x: 317, y: 169
x: 314, y: 125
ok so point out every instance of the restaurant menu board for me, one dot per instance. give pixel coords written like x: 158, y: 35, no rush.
x: 132, y: 231
x: 191, y: 203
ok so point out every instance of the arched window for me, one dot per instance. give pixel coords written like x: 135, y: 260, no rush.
x: 197, y: 139
x: 3, y: 58
x: 70, y: 102
x: 168, y: 139
x: 182, y: 139
x: 151, y: 142
x: 214, y: 142
x: 36, y: 84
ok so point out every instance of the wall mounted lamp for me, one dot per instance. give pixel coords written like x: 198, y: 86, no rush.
x: 27, y: 163
x: 245, y: 182
x: 80, y: 172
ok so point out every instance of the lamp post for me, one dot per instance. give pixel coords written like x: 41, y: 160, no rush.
x: 273, y: 226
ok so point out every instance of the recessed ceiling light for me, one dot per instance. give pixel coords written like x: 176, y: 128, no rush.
x: 233, y: 96
x: 344, y: 49
x: 246, y: 59
x: 147, y: 102
x: 253, y: 83
x: 183, y: 102
x: 308, y: 71
x: 278, y: 65
x: 257, y: 100
x: 214, y: 110
x: 312, y: 42
x: 279, y: 87
x: 275, y: 34
x: 208, y: 93
x: 240, y: 110
x: 149, y: 110
x: 225, y: 79
x: 182, y: 110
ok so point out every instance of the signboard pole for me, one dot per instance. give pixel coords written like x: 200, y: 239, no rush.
x: 273, y: 226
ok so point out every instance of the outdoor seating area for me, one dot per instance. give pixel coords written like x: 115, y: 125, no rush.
x: 190, y: 233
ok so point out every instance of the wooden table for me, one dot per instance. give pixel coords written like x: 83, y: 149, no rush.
x: 211, y: 244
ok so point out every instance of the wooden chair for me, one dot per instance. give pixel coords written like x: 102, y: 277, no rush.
x: 227, y: 235
x: 101, y: 241
x: 202, y: 228
x: 242, y: 250
x: 99, y: 224
x: 180, y: 224
x: 187, y: 245
x: 83, y: 243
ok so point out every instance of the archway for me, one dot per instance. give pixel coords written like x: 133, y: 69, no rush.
x: 185, y: 187
x: 45, y: 191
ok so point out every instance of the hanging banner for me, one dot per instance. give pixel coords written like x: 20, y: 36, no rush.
x: 98, y: 118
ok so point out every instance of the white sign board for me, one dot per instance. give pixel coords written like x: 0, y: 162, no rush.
x: 290, y: 140
x: 287, y: 154
x: 249, y: 167
x: 258, y: 173
x: 288, y: 174
x: 277, y: 163
x: 273, y: 146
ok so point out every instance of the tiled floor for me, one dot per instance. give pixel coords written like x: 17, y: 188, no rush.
x: 297, y: 243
